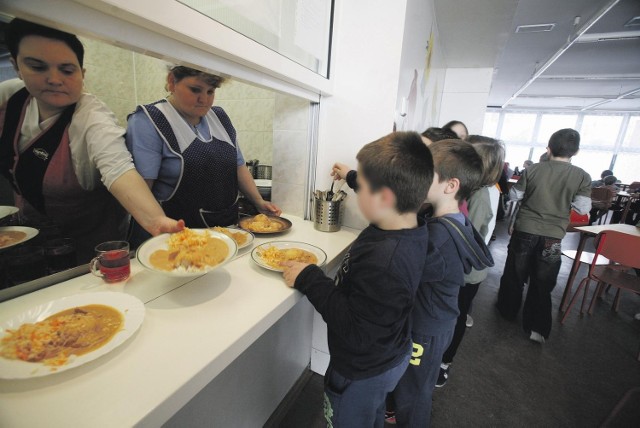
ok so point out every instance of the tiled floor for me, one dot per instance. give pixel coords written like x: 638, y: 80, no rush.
x: 502, y: 379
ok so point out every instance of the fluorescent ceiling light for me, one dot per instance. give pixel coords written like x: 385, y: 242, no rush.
x: 619, y: 97
x: 609, y: 37
x: 633, y: 22
x: 537, y: 28
x: 589, y: 77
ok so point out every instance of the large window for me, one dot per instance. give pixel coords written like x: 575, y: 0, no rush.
x: 608, y: 141
x: 550, y: 123
x: 519, y: 128
x: 600, y: 131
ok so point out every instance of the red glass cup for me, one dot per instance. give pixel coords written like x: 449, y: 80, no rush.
x: 112, y: 262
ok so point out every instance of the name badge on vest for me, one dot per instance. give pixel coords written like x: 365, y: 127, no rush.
x: 41, y: 153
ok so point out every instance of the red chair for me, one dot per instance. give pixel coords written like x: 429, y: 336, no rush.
x: 623, y: 251
x: 576, y: 220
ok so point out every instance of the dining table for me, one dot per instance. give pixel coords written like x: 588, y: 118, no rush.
x: 585, y: 233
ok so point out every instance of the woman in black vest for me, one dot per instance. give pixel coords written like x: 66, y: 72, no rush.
x: 62, y: 149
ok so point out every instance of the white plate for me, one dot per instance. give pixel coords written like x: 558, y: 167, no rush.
x: 283, y: 245
x: 132, y: 309
x: 250, y: 236
x: 30, y: 231
x: 161, y: 242
x: 6, y: 210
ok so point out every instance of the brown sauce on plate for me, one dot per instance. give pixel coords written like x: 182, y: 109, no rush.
x: 75, y: 331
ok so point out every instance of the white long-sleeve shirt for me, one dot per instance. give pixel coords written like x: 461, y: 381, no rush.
x: 98, y: 150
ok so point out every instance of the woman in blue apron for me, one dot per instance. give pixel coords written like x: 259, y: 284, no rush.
x: 62, y: 150
x: 187, y: 152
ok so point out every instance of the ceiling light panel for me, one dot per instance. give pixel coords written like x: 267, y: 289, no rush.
x: 537, y: 28
x: 609, y: 37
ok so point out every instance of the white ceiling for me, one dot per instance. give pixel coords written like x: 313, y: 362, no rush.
x: 481, y: 33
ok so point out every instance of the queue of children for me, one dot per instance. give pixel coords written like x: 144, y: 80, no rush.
x: 397, y: 308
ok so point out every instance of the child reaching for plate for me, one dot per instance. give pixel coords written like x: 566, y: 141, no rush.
x: 367, y: 307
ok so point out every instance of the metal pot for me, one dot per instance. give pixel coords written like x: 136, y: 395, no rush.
x: 263, y: 172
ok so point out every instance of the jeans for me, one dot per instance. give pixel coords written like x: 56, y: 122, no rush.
x: 536, y: 259
x: 465, y: 297
x: 358, y: 403
x: 413, y: 397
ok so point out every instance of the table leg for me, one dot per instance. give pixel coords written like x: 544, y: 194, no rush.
x: 625, y: 212
x: 574, y: 271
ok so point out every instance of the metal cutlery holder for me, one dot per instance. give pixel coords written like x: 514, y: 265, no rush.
x: 328, y: 215
x: 263, y: 172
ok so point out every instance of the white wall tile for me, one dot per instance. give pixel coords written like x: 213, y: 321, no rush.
x: 290, y: 150
x: 289, y: 197
x: 292, y: 113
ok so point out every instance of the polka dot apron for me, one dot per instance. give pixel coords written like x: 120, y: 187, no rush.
x: 207, y: 190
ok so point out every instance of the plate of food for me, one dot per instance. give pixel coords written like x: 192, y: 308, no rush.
x: 6, y: 210
x: 191, y: 252
x: 14, y: 235
x: 242, y: 237
x: 264, y: 224
x: 269, y: 255
x: 65, y: 333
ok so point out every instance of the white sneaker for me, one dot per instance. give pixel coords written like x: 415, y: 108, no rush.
x: 469, y: 322
x: 536, y: 337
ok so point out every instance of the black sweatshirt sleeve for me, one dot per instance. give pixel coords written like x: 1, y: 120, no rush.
x: 376, y: 300
x: 352, y: 182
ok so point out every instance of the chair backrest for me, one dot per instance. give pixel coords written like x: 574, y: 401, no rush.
x: 602, y: 197
x: 618, y: 247
x: 601, y: 193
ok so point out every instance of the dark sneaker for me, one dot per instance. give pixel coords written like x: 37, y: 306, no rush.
x: 390, y: 417
x: 443, y: 376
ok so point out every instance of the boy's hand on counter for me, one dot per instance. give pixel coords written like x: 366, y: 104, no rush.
x: 291, y: 271
x: 340, y: 171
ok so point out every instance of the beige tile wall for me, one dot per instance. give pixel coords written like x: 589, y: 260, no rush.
x: 121, y: 78
x: 251, y: 110
x: 291, y: 149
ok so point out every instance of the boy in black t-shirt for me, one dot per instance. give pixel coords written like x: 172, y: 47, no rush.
x: 367, y: 307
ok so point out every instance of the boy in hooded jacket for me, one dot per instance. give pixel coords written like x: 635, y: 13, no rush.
x: 455, y: 247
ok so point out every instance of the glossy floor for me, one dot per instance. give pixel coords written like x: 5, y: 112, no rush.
x: 502, y: 379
